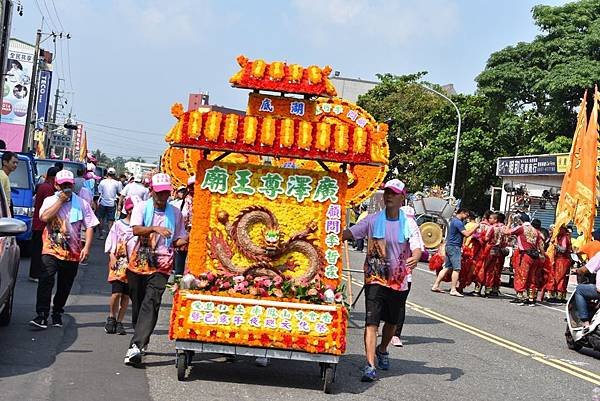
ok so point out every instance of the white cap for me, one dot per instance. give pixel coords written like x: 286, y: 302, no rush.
x: 396, y: 186
x: 111, y: 170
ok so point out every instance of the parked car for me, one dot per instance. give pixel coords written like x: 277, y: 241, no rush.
x: 22, y: 188
x: 10, y: 257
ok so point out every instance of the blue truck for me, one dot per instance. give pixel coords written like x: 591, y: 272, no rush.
x: 22, y: 190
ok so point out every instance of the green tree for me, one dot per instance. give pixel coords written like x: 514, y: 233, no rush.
x: 538, y: 85
x: 404, y: 104
x: 479, y: 147
x: 102, y: 158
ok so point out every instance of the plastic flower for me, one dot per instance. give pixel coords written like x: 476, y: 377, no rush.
x: 201, y: 283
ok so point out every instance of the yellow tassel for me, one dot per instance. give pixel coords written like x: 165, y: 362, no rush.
x: 305, y: 138
x: 250, y: 124
x: 287, y: 132
x: 314, y: 74
x: 213, y: 126
x: 195, y: 125
x: 231, y: 128
x: 360, y: 140
x: 295, y: 72
x: 267, y: 132
x: 324, y: 136
x: 277, y: 70
x: 341, y: 138
x: 258, y: 69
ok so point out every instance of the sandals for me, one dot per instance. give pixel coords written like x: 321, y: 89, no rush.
x: 437, y: 290
x: 456, y: 294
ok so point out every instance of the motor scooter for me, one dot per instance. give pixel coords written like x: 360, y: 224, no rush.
x: 576, y: 335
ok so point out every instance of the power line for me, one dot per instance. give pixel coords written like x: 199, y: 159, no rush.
x: 57, y: 16
x: 54, y: 26
x: 122, y: 128
x: 39, y: 9
x: 69, y: 65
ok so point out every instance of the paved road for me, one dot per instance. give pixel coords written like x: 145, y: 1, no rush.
x: 457, y: 349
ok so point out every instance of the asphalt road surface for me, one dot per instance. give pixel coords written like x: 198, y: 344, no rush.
x: 455, y: 349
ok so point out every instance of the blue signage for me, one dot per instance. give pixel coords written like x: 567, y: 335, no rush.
x: 43, y: 98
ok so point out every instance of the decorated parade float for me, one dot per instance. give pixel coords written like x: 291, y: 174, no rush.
x: 271, y: 192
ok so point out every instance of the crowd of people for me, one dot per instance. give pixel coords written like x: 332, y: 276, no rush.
x: 476, y: 253
x: 147, y: 227
x: 143, y: 230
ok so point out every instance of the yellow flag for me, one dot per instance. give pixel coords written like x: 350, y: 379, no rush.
x: 83, y: 150
x: 585, y: 176
x: 565, y: 209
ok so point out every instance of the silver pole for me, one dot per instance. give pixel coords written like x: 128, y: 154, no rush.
x: 455, y: 162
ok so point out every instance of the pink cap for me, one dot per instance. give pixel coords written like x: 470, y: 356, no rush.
x: 396, y: 186
x: 64, y: 176
x: 161, y: 182
x: 130, y: 202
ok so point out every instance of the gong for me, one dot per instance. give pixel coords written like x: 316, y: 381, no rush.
x: 432, y: 234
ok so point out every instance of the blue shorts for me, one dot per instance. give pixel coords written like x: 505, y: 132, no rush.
x: 106, y: 212
x: 453, y: 257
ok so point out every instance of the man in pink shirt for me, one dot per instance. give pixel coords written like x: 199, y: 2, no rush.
x: 586, y: 292
x: 393, y: 250
x: 65, y: 214
x: 159, y: 229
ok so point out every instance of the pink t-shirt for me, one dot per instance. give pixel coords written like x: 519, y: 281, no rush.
x: 398, y: 276
x: 120, y: 242
x: 151, y: 254
x: 62, y: 237
x: 593, y: 266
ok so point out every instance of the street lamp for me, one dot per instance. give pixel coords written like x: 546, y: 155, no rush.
x: 453, y: 181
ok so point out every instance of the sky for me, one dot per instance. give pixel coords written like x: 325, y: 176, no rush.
x: 128, y: 61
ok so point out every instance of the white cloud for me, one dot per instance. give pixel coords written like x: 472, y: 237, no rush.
x: 397, y: 22
x: 166, y: 23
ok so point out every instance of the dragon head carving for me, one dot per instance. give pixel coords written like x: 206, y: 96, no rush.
x: 272, y: 240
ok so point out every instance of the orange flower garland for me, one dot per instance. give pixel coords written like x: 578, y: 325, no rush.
x: 187, y: 323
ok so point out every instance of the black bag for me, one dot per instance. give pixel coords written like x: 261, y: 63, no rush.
x: 533, y: 253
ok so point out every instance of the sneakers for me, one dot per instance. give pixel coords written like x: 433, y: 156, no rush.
x: 111, y: 325
x: 40, y: 322
x: 144, y: 350
x: 397, y: 342
x: 57, y: 320
x: 133, y: 356
x: 262, y: 362
x: 383, y: 359
x: 369, y: 374
x: 119, y: 329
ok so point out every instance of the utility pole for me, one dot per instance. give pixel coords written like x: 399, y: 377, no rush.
x: 56, y: 96
x: 32, y: 92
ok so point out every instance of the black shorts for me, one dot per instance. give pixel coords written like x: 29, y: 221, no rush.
x: 383, y: 303
x: 119, y: 287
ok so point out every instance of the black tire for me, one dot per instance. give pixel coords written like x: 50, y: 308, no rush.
x: 6, y: 313
x: 328, y: 377
x: 571, y: 344
x: 181, y: 364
